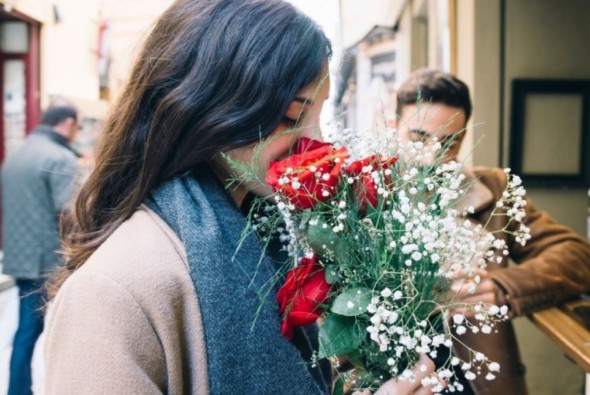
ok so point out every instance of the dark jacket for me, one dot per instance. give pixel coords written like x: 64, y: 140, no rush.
x: 553, y: 266
x: 37, y: 181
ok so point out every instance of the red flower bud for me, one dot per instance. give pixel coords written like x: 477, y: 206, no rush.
x: 299, y: 299
x: 365, y: 188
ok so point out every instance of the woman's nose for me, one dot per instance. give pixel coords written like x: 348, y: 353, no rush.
x: 311, y: 131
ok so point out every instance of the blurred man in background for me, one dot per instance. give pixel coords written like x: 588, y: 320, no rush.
x: 37, y: 182
x: 553, y: 266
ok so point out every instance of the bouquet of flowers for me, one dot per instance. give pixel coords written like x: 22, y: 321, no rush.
x: 377, y: 242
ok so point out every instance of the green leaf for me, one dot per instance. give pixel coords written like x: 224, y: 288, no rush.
x: 355, y: 359
x: 338, y: 386
x: 339, y: 335
x: 352, y: 302
x: 323, y: 241
x: 343, y: 252
x: 332, y: 274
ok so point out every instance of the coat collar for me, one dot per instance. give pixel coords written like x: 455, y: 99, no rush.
x: 477, y: 194
x: 50, y: 133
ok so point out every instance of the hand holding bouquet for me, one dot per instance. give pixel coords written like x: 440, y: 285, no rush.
x: 377, y: 243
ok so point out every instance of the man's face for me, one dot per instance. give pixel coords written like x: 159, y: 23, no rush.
x: 74, y: 127
x: 425, y: 121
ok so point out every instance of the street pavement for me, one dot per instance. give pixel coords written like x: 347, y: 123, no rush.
x: 8, y: 325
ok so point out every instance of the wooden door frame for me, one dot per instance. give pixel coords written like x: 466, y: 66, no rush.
x: 32, y: 77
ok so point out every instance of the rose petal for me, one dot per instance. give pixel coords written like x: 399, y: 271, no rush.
x: 302, y: 318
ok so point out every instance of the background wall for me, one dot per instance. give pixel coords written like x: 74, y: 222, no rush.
x: 499, y: 41
x: 549, y: 39
x: 130, y: 22
x: 68, y: 50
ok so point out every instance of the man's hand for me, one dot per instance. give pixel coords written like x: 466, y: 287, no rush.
x: 469, y: 292
x: 424, y: 367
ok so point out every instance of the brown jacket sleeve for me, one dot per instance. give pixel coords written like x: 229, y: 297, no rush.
x: 553, y: 266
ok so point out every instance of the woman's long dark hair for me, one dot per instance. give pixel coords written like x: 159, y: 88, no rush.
x: 213, y: 75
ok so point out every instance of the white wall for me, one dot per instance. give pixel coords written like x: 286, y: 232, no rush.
x: 35, y: 9
x: 542, y: 40
x: 130, y: 21
x: 479, y: 66
x: 549, y: 39
x: 68, y: 57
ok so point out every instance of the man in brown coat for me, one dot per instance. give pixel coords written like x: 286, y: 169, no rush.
x: 553, y: 266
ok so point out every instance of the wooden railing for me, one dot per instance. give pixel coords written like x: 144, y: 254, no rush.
x: 568, y: 331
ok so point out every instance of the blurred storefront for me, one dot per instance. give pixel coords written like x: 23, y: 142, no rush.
x: 48, y: 49
x: 366, y: 80
x: 78, y: 51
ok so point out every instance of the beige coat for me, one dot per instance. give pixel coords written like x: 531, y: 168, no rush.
x: 137, y: 317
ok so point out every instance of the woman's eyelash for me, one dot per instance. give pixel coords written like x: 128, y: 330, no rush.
x: 289, y: 122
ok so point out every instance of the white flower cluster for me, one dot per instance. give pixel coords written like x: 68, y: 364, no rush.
x: 514, y: 202
x: 291, y: 178
x: 391, y: 335
x: 486, y: 318
x: 389, y: 331
x: 289, y: 237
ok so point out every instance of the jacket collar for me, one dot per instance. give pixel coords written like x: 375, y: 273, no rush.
x: 477, y: 194
x: 46, y: 130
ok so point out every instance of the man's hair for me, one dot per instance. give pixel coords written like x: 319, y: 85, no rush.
x: 434, y: 86
x: 54, y: 115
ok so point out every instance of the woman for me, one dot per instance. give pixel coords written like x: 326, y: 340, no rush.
x: 158, y: 297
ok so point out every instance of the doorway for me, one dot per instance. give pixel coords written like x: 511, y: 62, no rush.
x: 19, y: 81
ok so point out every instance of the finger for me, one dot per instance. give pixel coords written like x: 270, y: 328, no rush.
x: 423, y: 368
x: 476, y: 271
x: 482, y: 273
x: 399, y: 387
x: 424, y: 390
x: 485, y: 298
x: 470, y: 288
x: 463, y: 287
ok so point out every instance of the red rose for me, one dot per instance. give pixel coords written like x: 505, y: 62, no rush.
x: 310, y: 175
x: 365, y: 188
x: 305, y: 289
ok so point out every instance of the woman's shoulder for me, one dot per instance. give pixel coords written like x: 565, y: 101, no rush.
x: 143, y: 257
x: 125, y: 306
x: 142, y: 246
